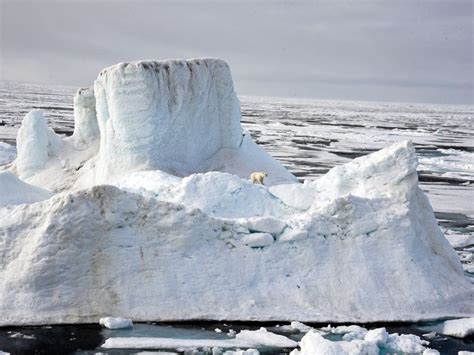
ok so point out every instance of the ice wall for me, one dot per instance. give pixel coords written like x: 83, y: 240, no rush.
x: 169, y: 115
x: 86, y: 129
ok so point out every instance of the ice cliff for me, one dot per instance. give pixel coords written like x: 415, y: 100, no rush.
x: 179, y: 232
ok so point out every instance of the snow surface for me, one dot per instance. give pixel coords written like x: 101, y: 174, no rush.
x: 116, y: 322
x: 13, y: 191
x: 258, y: 240
x: 358, y: 340
x: 217, y: 194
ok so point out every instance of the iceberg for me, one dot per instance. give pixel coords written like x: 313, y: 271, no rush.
x: 150, y: 215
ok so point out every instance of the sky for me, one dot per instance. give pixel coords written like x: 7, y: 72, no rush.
x: 384, y: 50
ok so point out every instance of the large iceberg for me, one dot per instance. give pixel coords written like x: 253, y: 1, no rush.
x: 155, y: 219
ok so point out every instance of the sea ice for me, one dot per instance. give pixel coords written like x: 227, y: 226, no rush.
x: 244, y: 339
x: 460, y: 240
x: 263, y: 337
x: 300, y: 326
x: 7, y: 153
x: 459, y: 328
x: 116, y: 322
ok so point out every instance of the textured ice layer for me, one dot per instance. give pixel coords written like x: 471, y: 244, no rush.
x: 86, y: 129
x: 358, y: 340
x: 169, y: 115
x: 86, y: 254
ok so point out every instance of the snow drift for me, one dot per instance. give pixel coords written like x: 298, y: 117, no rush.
x: 182, y: 236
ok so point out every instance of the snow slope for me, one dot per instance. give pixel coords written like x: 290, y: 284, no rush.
x: 13, y: 191
x: 108, y: 251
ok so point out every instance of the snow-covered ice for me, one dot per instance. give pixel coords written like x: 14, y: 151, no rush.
x: 255, y: 240
x: 115, y: 322
x: 139, y: 238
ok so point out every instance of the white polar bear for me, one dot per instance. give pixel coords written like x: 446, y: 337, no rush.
x: 257, y: 177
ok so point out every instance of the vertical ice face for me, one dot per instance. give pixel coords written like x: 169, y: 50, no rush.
x: 169, y: 115
x: 36, y: 144
x: 86, y: 129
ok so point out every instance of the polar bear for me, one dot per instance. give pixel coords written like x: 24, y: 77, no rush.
x: 257, y: 177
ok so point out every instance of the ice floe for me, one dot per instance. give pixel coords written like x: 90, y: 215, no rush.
x: 244, y: 339
x: 459, y: 328
x: 116, y: 322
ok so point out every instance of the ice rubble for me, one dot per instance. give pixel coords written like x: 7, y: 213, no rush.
x: 372, y: 342
x: 329, y: 340
x: 147, y: 246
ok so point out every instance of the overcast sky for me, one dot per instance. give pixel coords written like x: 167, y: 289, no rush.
x: 387, y: 50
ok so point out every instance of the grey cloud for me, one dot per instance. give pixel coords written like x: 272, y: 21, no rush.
x: 373, y: 50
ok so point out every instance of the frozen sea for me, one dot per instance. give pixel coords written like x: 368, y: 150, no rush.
x: 309, y: 137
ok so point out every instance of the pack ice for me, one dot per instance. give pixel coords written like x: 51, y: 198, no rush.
x: 146, y: 212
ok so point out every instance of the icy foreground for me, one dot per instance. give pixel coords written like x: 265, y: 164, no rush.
x: 182, y: 236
